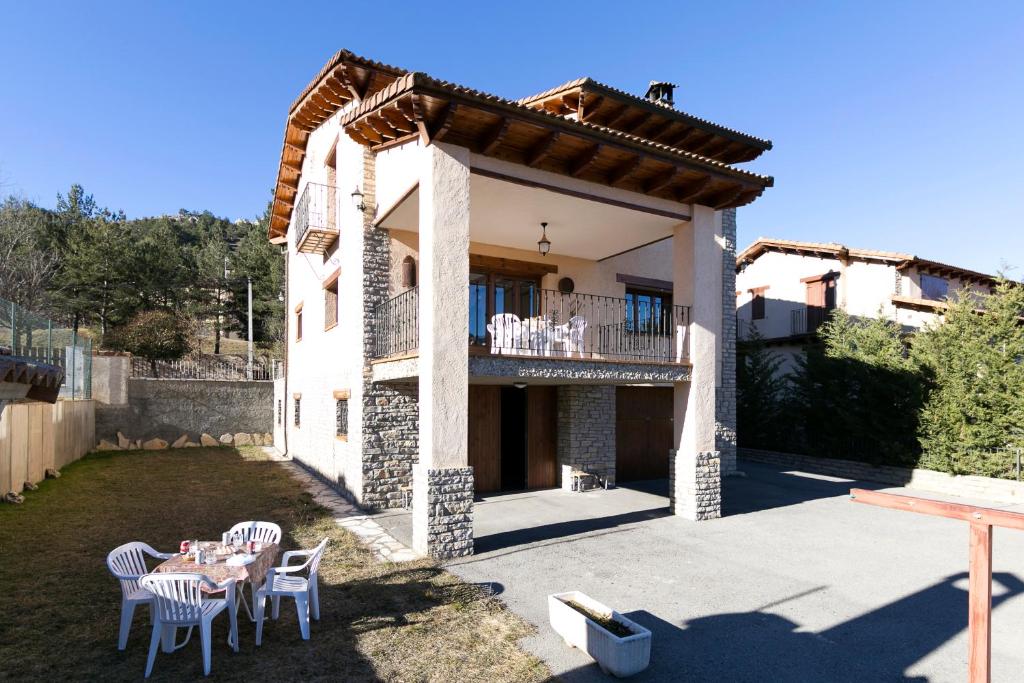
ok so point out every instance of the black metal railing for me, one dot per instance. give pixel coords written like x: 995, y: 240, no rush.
x: 316, y: 210
x: 553, y: 324
x: 398, y: 324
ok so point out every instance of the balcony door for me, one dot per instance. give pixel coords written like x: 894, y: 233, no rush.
x: 492, y: 293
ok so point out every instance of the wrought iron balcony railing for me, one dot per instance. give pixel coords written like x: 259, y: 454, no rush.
x: 553, y: 324
x: 316, y: 227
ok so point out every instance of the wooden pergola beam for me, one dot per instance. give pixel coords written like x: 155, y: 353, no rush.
x: 624, y: 170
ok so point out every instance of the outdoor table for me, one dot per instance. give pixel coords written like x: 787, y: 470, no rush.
x: 220, y: 571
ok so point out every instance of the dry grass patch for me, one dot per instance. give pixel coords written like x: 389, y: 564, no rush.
x: 392, y: 622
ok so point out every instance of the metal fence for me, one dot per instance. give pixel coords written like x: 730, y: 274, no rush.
x: 209, y: 367
x: 1001, y: 463
x: 34, y: 336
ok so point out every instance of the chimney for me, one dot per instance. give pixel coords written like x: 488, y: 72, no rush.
x: 661, y: 92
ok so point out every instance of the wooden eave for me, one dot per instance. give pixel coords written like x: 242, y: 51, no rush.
x: 593, y: 102
x: 345, y: 77
x: 513, y: 132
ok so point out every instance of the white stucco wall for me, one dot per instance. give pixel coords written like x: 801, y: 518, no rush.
x: 325, y: 361
x: 781, y: 274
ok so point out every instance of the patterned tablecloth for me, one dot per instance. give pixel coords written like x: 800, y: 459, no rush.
x: 219, y: 572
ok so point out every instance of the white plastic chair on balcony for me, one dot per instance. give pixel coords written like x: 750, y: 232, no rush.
x: 128, y: 564
x: 261, y: 532
x: 179, y: 600
x: 282, y: 582
x: 506, y: 333
x: 573, y: 340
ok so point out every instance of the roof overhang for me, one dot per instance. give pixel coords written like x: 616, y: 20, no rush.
x: 593, y: 102
x: 416, y: 105
x: 345, y: 77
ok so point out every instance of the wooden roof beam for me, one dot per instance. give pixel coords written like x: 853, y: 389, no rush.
x: 542, y: 149
x: 614, y: 117
x: 662, y: 180
x: 381, y: 126
x: 725, y: 198
x: 582, y: 162
x: 589, y: 106
x: 357, y: 136
x: 624, y: 170
x: 443, y: 122
x: 490, y: 140
x: 420, y: 117
x: 707, y: 140
x: 396, y: 117
x: 690, y: 191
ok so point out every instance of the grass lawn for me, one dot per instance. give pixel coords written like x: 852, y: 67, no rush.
x: 392, y: 622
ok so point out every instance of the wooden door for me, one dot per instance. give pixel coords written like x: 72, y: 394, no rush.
x: 541, y: 437
x: 643, y: 432
x: 484, y: 437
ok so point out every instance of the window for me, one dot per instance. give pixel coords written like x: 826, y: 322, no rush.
x: 331, y: 300
x: 757, y: 303
x: 341, y: 414
x: 648, y: 311
x: 408, y: 272
x: 934, y: 288
x: 298, y: 409
x: 298, y: 323
x: 494, y: 292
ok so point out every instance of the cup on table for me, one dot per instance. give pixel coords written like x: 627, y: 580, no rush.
x: 184, y: 546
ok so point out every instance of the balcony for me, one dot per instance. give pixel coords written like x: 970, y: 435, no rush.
x: 316, y: 227
x: 807, y: 320
x: 553, y: 325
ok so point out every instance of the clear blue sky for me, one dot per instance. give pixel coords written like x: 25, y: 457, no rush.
x: 897, y: 125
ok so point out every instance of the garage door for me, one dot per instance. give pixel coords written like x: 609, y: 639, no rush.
x: 643, y: 432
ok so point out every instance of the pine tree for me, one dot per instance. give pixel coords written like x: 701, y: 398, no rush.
x: 761, y: 395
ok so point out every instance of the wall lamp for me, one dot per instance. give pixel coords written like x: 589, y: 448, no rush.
x: 357, y: 200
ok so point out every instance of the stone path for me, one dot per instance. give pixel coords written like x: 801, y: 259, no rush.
x: 348, y: 516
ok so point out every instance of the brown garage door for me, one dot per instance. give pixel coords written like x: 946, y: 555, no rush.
x: 643, y: 432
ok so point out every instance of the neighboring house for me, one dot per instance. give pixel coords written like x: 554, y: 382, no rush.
x: 786, y: 289
x: 490, y: 295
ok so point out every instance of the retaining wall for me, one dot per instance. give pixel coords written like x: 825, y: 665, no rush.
x: 968, y: 486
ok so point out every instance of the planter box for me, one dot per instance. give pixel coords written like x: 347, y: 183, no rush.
x: 619, y: 656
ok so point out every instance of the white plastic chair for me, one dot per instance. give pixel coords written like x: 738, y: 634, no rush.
x: 506, y: 333
x: 281, y: 582
x: 179, y: 600
x: 128, y: 564
x: 262, y: 532
x: 573, y: 341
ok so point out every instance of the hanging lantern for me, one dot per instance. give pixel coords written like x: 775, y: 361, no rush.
x: 544, y: 244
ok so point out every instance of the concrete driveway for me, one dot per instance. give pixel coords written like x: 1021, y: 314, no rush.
x: 794, y: 583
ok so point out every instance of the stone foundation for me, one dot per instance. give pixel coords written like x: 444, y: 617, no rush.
x: 442, y: 511
x: 695, y: 485
x: 586, y: 430
x: 391, y: 423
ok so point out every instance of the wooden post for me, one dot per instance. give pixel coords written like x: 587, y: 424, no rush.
x: 979, y: 650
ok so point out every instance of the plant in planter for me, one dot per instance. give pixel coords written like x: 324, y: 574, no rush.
x: 621, y: 646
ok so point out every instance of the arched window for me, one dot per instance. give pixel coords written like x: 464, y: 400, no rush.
x: 408, y: 272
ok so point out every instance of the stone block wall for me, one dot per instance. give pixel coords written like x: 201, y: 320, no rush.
x: 586, y: 430
x: 443, y: 504
x: 695, y: 490
x: 725, y: 393
x: 168, y: 408
x: 390, y: 413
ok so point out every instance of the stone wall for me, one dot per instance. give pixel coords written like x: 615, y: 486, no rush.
x: 696, y: 493
x: 443, y: 504
x: 168, y: 408
x: 586, y: 430
x: 725, y: 393
x: 390, y: 413
x: 998, y: 490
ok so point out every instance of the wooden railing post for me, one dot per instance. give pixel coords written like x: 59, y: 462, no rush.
x: 979, y: 652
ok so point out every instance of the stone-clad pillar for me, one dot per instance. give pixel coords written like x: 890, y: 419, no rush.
x: 442, y: 479
x: 725, y: 394
x: 695, y: 468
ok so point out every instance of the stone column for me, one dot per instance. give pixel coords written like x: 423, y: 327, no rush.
x: 442, y: 479
x: 586, y: 431
x: 695, y: 469
x: 725, y: 393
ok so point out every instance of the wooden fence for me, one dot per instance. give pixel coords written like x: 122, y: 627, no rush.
x: 37, y: 436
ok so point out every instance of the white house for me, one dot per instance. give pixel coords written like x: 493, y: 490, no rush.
x: 487, y: 294
x: 785, y: 289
